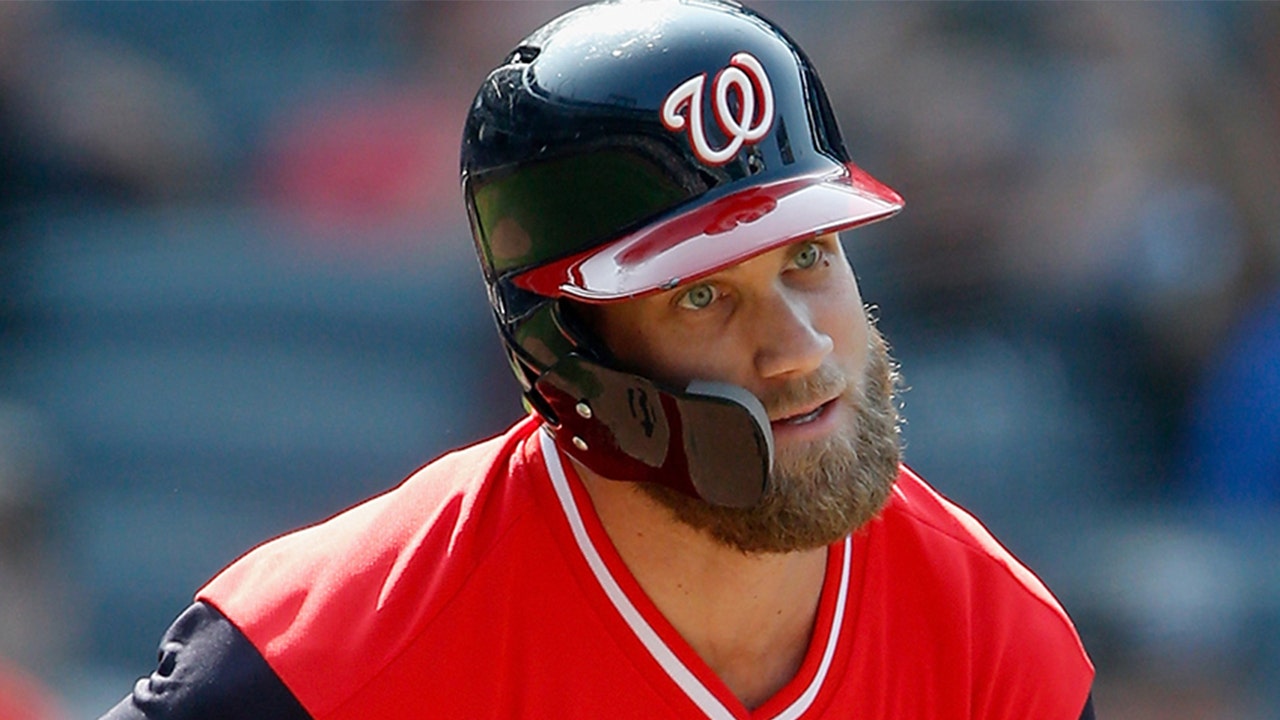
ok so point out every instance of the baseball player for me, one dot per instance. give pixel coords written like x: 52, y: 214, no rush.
x: 704, y: 513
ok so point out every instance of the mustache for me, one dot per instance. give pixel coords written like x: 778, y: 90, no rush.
x: 800, y: 395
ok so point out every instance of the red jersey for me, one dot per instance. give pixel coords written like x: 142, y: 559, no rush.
x: 485, y: 586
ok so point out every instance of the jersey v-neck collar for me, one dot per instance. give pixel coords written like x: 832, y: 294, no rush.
x: 672, y: 654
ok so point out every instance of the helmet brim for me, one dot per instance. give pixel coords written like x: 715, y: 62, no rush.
x: 695, y: 242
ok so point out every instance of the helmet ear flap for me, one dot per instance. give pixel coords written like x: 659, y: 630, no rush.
x: 528, y: 377
x: 551, y: 330
x: 539, y: 405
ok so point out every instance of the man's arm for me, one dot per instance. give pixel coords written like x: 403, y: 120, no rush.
x: 208, y: 670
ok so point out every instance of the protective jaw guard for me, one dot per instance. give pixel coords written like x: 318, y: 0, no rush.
x: 711, y: 440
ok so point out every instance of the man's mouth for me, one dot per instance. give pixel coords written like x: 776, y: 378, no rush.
x: 803, y: 417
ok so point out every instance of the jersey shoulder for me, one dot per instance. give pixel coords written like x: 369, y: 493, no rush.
x: 377, y: 573
x: 966, y: 597
x: 949, y: 531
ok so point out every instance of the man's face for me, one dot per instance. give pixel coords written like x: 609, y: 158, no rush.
x: 789, y: 326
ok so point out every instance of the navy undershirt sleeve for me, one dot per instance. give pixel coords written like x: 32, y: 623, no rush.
x: 208, y: 670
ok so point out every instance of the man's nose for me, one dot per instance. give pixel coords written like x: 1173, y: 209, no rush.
x: 788, y: 341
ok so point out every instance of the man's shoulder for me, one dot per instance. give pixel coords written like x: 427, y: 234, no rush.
x: 957, y: 580
x: 415, y: 545
x: 954, y: 537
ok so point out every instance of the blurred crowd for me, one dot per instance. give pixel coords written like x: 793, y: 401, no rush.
x: 237, y: 294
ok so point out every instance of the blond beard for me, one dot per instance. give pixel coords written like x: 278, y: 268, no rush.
x: 819, y: 493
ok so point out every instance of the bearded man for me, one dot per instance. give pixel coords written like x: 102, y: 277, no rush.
x: 705, y: 512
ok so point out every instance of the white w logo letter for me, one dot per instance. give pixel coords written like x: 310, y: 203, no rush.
x: 746, y: 76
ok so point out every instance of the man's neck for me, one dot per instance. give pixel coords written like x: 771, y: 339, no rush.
x: 748, y: 616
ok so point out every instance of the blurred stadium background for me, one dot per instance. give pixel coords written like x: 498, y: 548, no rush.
x: 237, y: 294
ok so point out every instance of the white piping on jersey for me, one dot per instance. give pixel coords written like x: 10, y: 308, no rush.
x: 802, y: 703
x: 665, y: 657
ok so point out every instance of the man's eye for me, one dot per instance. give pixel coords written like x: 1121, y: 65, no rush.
x: 697, y: 297
x: 808, y: 256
